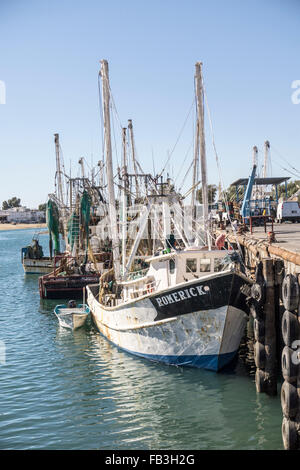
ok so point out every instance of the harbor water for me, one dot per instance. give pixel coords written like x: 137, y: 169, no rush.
x: 74, y: 390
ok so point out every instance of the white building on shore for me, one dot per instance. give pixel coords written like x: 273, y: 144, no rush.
x: 22, y: 215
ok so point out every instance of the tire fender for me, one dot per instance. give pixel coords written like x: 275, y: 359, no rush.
x: 289, y: 367
x: 289, y: 434
x: 290, y: 292
x: 289, y: 400
x: 290, y: 328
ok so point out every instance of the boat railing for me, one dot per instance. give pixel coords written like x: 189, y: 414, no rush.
x: 137, y: 274
x: 146, y: 289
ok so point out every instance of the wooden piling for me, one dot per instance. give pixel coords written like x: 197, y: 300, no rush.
x: 270, y: 327
x: 265, y: 328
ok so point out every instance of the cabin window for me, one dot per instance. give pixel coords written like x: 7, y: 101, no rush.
x: 218, y: 265
x: 191, y: 265
x: 172, y: 266
x: 205, y: 265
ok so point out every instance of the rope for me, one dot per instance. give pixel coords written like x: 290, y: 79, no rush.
x: 178, y: 138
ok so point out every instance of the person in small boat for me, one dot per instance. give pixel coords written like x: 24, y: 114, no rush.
x: 34, y: 251
x: 72, y: 304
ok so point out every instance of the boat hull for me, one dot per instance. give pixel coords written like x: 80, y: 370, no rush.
x: 62, y: 287
x: 72, y: 318
x: 37, y: 266
x: 79, y: 320
x: 198, y: 324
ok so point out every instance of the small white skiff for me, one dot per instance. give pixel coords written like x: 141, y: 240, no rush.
x: 72, y: 316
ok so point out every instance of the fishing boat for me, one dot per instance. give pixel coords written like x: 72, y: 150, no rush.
x: 69, y: 276
x: 164, y: 317
x: 72, y: 316
x: 33, y: 259
x: 189, y: 306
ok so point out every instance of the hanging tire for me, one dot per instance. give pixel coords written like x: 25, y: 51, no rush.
x: 259, y: 355
x: 289, y: 328
x: 289, y: 400
x: 289, y: 434
x: 260, y: 381
x: 290, y: 292
x: 258, y: 293
x: 289, y: 368
x: 256, y: 310
x: 259, y: 330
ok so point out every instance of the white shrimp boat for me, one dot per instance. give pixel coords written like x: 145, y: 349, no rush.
x: 190, y: 305
x: 72, y: 316
x: 163, y: 317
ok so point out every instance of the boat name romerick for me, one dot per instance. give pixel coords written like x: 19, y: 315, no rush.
x: 181, y: 295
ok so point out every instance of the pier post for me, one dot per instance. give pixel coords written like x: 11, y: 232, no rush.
x: 270, y: 326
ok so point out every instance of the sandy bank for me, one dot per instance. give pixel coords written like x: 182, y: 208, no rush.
x: 21, y: 226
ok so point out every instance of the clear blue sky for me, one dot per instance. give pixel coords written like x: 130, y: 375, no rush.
x: 49, y: 61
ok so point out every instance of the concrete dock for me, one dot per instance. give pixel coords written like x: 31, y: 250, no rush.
x: 287, y: 235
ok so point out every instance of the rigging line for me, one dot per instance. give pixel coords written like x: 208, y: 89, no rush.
x: 185, y: 176
x: 285, y: 169
x: 178, y: 138
x: 115, y: 108
x: 173, y: 256
x: 200, y: 226
x: 280, y: 165
x: 115, y: 142
x: 219, y: 170
x: 186, y: 155
x: 283, y: 158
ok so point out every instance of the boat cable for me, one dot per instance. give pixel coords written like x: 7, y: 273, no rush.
x: 178, y: 138
x: 186, y: 175
x: 224, y: 196
x: 173, y: 257
x: 183, y: 163
x: 283, y: 158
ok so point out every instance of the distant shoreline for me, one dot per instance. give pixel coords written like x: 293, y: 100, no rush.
x: 21, y: 226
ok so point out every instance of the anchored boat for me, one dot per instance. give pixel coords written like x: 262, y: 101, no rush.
x: 33, y: 259
x: 68, y: 279
x: 189, y: 306
x: 183, y: 311
x: 72, y: 316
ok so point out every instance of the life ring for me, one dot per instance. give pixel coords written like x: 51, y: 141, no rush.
x: 290, y: 292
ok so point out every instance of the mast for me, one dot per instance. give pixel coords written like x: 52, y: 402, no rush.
x: 267, y: 148
x: 81, y: 163
x: 195, y: 167
x: 200, y: 113
x: 60, y: 193
x: 124, y: 203
x: 254, y: 158
x: 109, y: 168
x: 137, y: 189
x: 255, y: 163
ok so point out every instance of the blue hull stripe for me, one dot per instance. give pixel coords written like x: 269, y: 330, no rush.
x: 213, y: 362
